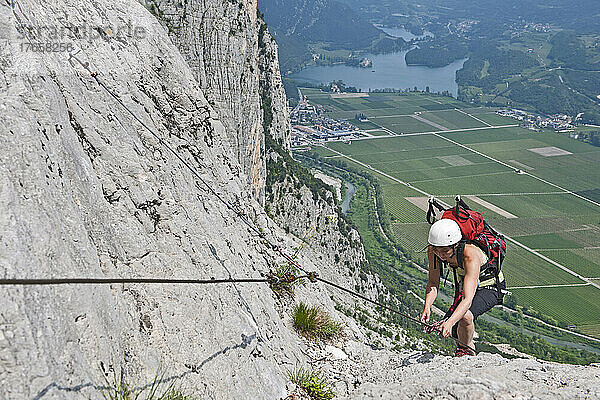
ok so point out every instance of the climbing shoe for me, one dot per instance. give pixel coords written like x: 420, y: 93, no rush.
x: 463, y: 351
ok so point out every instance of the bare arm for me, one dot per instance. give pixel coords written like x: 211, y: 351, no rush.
x: 471, y: 262
x: 433, y: 284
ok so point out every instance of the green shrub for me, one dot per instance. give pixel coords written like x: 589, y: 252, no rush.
x: 312, y: 382
x: 284, y: 272
x: 314, y: 323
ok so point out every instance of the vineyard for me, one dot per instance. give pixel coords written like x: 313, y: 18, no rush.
x: 575, y: 262
x: 493, y: 118
x: 547, y: 241
x: 572, y: 305
x: 452, y: 119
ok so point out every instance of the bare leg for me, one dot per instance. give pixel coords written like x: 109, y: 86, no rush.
x: 466, y: 329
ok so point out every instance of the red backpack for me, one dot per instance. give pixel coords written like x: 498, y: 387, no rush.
x: 475, y: 230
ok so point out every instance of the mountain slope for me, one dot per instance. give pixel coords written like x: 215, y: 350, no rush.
x: 87, y: 192
x: 319, y: 21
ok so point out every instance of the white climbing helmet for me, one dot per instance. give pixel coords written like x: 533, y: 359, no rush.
x: 444, y: 232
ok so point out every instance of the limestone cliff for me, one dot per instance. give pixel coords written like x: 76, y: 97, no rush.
x: 234, y: 60
x: 274, y: 102
x: 87, y: 191
x: 303, y: 206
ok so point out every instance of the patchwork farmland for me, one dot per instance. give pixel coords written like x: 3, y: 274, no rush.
x: 541, y: 189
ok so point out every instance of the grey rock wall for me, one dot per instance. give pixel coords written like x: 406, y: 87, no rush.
x: 85, y: 191
x: 274, y: 101
x: 366, y: 373
x: 315, y: 220
x: 220, y: 41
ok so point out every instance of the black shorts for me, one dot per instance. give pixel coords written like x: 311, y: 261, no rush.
x: 483, y: 301
x: 486, y: 298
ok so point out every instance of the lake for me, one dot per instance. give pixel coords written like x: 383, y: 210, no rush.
x: 389, y: 71
x: 403, y: 33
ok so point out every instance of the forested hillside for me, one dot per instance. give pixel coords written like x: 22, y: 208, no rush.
x: 306, y: 27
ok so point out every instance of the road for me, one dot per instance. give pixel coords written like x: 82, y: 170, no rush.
x: 425, y: 133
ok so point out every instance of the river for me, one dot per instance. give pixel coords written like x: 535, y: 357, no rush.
x: 350, y: 190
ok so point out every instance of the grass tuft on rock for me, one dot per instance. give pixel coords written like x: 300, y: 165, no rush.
x: 312, y: 382
x: 314, y: 323
x: 119, y: 387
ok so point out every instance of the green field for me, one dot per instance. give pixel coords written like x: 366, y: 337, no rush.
x: 495, y: 119
x: 525, y: 269
x: 592, y: 330
x: 428, y: 173
x: 452, y: 119
x: 379, y: 104
x: 324, y: 152
x: 404, y: 124
x: 575, y: 262
x: 363, y: 125
x: 541, y: 216
x: 489, y: 135
x: 579, y: 171
x: 481, y: 184
x: 400, y: 209
x: 379, y: 133
x: 547, y: 241
x: 576, y: 305
x: 522, y: 226
x: 537, y: 205
x: 413, y: 237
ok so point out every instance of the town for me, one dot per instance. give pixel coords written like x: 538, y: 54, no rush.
x: 310, y: 125
x: 558, y: 122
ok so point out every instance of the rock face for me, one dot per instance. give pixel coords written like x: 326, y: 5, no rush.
x: 308, y: 215
x: 234, y: 60
x: 274, y: 102
x: 219, y: 40
x: 87, y: 191
x: 378, y: 374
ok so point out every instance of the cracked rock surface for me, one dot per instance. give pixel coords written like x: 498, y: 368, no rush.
x: 86, y: 191
x: 367, y: 373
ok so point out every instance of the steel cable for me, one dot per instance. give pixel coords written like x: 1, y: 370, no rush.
x: 80, y: 281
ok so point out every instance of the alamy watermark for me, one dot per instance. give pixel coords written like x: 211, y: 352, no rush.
x: 52, y: 38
